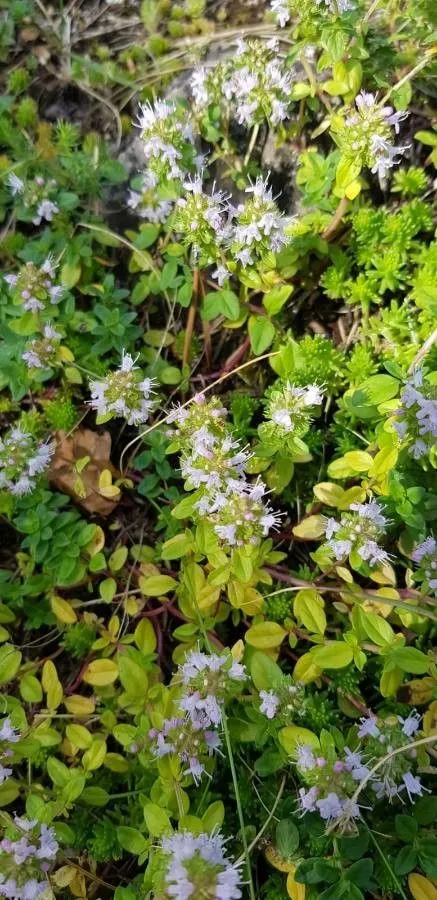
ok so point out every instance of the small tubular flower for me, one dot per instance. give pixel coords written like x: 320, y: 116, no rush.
x: 36, y: 197
x: 331, y: 781
x: 380, y: 737
x: 145, y: 200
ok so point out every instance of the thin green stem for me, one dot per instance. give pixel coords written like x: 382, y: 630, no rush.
x: 420, y: 65
x: 252, y: 142
x: 385, y: 861
x: 239, y: 806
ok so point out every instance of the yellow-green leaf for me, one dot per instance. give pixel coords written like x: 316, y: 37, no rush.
x: 308, y: 608
x: 63, y: 610
x: 265, y: 635
x: 332, y: 655
x: 311, y: 528
x: 293, y: 735
x: 101, y: 672
x: 156, y: 585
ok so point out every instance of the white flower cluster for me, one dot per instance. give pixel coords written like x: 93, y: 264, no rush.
x: 197, y: 866
x: 41, y: 353
x: 366, y: 134
x: 22, y: 459
x: 204, y: 220
x: 213, y: 464
x: 288, y: 414
x: 285, y: 10
x: 416, y: 418
x: 259, y: 227
x: 145, y: 201
x: 253, y: 86
x: 247, y: 235
x: 168, y: 139
x: 35, y: 196
x: 124, y: 392
x: 358, y: 531
x: 33, y: 286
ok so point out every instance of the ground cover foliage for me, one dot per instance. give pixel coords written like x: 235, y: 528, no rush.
x: 218, y: 454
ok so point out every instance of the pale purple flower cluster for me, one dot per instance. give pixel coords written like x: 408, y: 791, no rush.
x: 168, y: 139
x: 42, y: 352
x: 33, y: 286
x: 123, y: 392
x: 213, y: 463
x: 426, y: 557
x: 285, y: 702
x: 416, y: 418
x: 367, y: 134
x: 207, y: 680
x: 332, y: 782
x: 35, y: 194
x: 193, y: 744
x: 358, y: 530
x: 383, y: 736
x: 197, y: 861
x: 9, y: 735
x: 22, y: 460
x: 26, y: 859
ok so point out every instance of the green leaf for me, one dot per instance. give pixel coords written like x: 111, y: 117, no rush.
x: 131, y: 840
x: 156, y: 819
x: 156, y: 585
x: 221, y: 303
x: 332, y: 655
x: 177, y: 546
x: 405, y: 861
x: 411, y: 660
x: 287, y: 838
x: 261, y: 333
x: 308, y: 609
x: 264, y: 671
x: 132, y: 676
x: 406, y: 828
x: 265, y: 635
x: 274, y: 300
x: 10, y: 660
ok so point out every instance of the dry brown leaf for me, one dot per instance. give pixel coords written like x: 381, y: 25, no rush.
x: 63, y: 473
